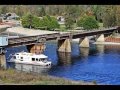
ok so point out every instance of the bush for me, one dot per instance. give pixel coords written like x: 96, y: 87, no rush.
x: 27, y: 21
x: 37, y: 22
x: 88, y: 22
x: 47, y: 22
x: 50, y: 22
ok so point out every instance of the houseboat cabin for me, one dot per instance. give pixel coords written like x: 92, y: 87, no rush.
x: 30, y: 58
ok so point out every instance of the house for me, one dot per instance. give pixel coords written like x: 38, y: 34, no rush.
x: 11, y: 16
x: 61, y: 20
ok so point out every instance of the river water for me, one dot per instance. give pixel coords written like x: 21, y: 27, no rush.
x: 100, y: 63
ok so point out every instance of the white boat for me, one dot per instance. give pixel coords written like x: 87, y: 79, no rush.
x: 30, y: 58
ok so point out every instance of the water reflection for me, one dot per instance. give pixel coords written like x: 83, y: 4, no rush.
x: 64, y: 58
x: 84, y: 52
x: 115, y: 48
x: 100, y: 48
x: 31, y: 68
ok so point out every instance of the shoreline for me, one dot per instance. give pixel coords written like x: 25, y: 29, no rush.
x: 106, y: 43
x: 10, y: 77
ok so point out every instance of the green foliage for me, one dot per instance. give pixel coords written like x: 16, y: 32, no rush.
x: 81, y: 22
x: 47, y: 22
x: 109, y: 16
x: 27, y: 21
x: 50, y: 22
x: 69, y: 22
x: 88, y: 22
x: 98, y: 12
x: 72, y: 13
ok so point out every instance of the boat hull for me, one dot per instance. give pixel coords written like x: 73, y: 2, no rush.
x: 28, y: 63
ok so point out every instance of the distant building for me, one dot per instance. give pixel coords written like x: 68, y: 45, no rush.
x: 61, y: 20
x: 11, y: 16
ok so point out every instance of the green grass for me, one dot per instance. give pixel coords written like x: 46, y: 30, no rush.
x: 62, y: 28
x: 100, y: 25
x: 11, y: 76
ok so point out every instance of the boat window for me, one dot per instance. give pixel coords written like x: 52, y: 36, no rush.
x: 42, y: 59
x: 36, y: 59
x: 39, y: 59
x: 33, y: 59
x: 14, y: 57
x: 21, y: 57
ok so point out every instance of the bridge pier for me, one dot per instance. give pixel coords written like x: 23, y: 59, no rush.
x: 84, y: 42
x: 37, y: 48
x: 100, y: 39
x: 64, y: 45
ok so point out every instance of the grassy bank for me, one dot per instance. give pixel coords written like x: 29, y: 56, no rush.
x: 11, y: 77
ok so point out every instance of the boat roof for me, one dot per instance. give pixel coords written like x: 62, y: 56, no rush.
x: 33, y: 55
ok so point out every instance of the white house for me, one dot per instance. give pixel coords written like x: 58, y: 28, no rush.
x: 61, y: 20
x: 11, y: 16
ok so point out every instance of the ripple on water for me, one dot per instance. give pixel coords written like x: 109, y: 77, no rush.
x: 102, y: 66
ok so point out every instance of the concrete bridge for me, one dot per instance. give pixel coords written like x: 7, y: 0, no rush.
x: 64, y: 40
x: 36, y: 44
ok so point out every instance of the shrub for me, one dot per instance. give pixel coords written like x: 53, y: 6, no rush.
x: 50, y: 22
x: 37, y: 22
x: 88, y: 22
x: 47, y: 22
x: 27, y: 21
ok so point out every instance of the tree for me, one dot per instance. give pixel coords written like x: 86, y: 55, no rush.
x: 50, y: 22
x: 117, y: 13
x: 69, y: 22
x: 88, y: 22
x: 98, y: 12
x: 109, y: 18
x: 71, y: 16
x: 41, y: 11
x: 27, y: 21
x: 4, y: 9
x: 30, y: 21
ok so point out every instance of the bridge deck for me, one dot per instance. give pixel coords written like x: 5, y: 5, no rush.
x: 25, y: 40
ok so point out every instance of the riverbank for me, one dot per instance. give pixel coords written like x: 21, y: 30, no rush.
x: 107, y: 43
x: 12, y: 77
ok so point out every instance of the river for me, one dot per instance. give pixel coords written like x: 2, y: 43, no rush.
x: 100, y: 63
